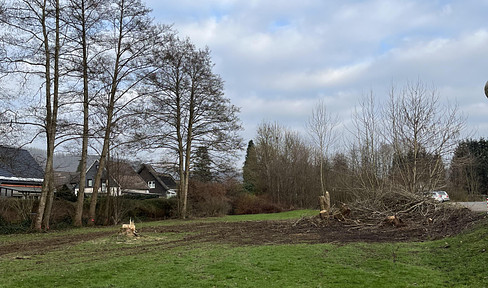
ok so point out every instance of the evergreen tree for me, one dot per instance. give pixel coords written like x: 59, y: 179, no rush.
x: 250, y: 169
x: 202, y: 166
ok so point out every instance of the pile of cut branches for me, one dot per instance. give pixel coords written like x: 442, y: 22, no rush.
x: 412, y: 212
x: 408, y: 214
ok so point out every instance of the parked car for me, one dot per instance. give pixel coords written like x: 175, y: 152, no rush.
x: 440, y: 196
x: 171, y: 193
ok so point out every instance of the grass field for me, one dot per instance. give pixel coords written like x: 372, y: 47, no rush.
x: 165, y: 259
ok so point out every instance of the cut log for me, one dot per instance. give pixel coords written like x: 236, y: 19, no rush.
x: 324, y: 202
x: 324, y: 214
x: 345, y: 210
x: 394, y: 220
x: 342, y: 213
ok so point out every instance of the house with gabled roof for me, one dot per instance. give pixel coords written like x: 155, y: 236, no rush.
x: 20, y: 174
x: 119, y: 176
x: 127, y: 179
x: 161, y: 184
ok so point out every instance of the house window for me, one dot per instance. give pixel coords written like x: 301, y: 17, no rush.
x: 151, y: 184
x: 90, y: 183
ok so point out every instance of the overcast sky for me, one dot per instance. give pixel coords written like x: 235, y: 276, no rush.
x: 278, y: 58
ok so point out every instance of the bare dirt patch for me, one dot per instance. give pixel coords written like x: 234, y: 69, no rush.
x: 54, y: 243
x: 315, y: 230
x: 357, y: 228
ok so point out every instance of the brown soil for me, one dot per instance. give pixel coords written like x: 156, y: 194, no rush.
x: 314, y: 230
x: 55, y: 243
x: 304, y: 230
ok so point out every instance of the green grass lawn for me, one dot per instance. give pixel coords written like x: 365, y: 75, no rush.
x: 152, y: 261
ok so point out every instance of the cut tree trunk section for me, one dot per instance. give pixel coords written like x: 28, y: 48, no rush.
x: 324, y: 205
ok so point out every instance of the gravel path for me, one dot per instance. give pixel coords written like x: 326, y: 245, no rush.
x: 475, y: 206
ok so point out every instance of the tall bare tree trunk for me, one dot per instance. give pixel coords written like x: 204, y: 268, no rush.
x: 49, y: 204
x: 321, y: 126
x: 186, y: 177
x: 110, y: 111
x: 50, y: 198
x: 108, y: 196
x: 187, y: 155
x: 322, y: 182
x: 51, y: 116
x: 84, y: 145
x: 183, y: 187
x: 98, y: 177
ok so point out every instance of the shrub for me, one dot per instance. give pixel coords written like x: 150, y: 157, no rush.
x: 9, y: 228
x: 138, y: 196
x: 208, y: 199
x: 158, y: 208
x: 16, y: 214
x: 233, y: 188
x: 66, y: 194
x: 15, y: 210
x: 62, y: 214
x: 251, y: 204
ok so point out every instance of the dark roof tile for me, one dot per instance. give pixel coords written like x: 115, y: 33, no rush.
x: 15, y: 162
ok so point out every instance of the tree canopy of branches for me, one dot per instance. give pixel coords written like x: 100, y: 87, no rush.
x: 33, y: 49
x: 422, y: 133
x: 469, y: 166
x: 92, y: 61
x: 123, y: 64
x: 400, y: 146
x: 188, y: 109
x: 321, y: 126
x: 403, y: 145
x: 286, y: 173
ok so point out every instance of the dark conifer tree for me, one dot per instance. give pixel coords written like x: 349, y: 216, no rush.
x: 249, y: 171
x: 202, y: 167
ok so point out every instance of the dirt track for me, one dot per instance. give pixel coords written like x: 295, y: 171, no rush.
x: 50, y: 244
x: 305, y: 230
x: 314, y: 230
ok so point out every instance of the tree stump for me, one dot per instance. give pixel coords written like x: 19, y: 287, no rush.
x: 128, y: 229
x: 324, y: 206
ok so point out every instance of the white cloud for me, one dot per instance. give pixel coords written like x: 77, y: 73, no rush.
x: 329, y: 77
x: 280, y: 57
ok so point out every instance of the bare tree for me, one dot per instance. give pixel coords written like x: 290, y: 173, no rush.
x: 422, y: 132
x: 285, y: 167
x: 188, y: 109
x: 370, y: 155
x: 268, y: 141
x: 320, y: 127
x: 122, y: 67
x: 33, y: 41
x: 85, y: 18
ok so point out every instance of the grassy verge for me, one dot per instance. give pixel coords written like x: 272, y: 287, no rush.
x: 156, y: 261
x: 296, y: 214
